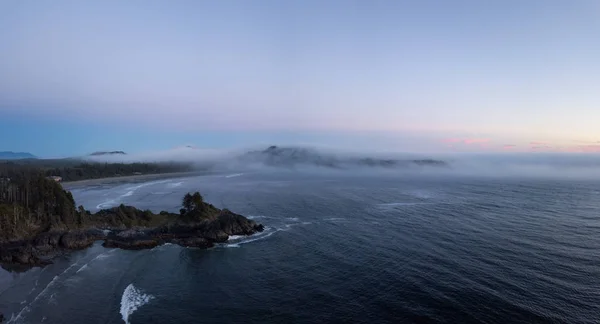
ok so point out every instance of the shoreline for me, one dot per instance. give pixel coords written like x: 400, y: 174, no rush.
x: 131, y: 178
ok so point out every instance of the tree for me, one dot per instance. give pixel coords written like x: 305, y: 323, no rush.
x: 193, y: 202
x: 197, y: 199
x: 187, y: 202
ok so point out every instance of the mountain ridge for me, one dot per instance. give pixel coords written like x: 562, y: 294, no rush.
x: 10, y: 155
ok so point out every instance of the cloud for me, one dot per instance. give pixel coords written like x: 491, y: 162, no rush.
x: 541, y: 148
x: 467, y: 141
x: 593, y: 148
x: 538, y: 143
x: 451, y: 140
x: 476, y: 140
x: 508, y: 146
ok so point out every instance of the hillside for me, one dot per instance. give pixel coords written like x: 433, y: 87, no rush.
x: 9, y: 155
x: 75, y: 169
x: 102, y: 153
x: 299, y: 156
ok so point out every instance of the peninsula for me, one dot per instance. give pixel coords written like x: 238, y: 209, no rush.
x: 39, y: 220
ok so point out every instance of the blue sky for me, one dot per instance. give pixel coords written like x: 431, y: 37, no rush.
x: 77, y: 77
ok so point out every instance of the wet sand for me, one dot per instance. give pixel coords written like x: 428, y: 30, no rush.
x: 134, y: 178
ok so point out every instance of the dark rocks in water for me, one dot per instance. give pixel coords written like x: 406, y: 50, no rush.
x: 36, y: 251
x: 132, y: 244
x: 199, y: 225
x: 80, y: 240
x: 1, y: 318
x: 203, y: 234
x: 234, y: 224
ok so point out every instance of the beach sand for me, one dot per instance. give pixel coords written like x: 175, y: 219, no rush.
x: 134, y: 178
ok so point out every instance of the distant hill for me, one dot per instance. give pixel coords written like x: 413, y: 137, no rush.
x: 296, y: 156
x: 8, y: 155
x: 108, y: 153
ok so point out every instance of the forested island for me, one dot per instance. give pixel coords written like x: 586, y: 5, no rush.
x: 39, y: 220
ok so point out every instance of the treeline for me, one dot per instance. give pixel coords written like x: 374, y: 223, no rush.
x: 30, y: 203
x: 73, y: 170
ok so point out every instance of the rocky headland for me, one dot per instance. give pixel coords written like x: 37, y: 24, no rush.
x: 39, y: 221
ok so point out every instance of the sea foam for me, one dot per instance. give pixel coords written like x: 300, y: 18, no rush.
x: 131, y: 300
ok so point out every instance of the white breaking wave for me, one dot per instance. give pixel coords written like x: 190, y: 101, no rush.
x: 131, y: 300
x: 235, y: 237
x: 98, y: 257
x: 295, y: 219
x: 256, y: 216
x: 106, y: 204
x: 174, y: 185
x: 254, y: 238
x: 85, y: 266
x: 234, y: 175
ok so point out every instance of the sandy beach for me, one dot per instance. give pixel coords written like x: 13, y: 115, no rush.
x: 133, y: 178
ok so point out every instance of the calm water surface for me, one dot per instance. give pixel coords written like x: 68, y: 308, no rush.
x: 339, y: 247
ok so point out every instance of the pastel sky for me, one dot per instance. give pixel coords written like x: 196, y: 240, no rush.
x: 415, y: 76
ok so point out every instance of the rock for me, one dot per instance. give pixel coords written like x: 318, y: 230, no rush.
x: 1, y: 318
x: 234, y: 224
x: 47, y: 240
x: 198, y: 242
x: 137, y: 244
x: 199, y: 233
x: 79, y: 240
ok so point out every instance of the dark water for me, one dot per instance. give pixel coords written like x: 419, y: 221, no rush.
x: 340, y: 248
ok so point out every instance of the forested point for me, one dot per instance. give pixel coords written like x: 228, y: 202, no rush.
x: 74, y: 170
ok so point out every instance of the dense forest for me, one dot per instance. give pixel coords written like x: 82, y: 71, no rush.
x: 31, y: 204
x: 73, y: 170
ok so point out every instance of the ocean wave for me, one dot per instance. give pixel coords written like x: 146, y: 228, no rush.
x: 131, y: 300
x: 44, y: 292
x: 85, y: 266
x: 253, y: 238
x: 174, y: 185
x: 256, y: 216
x: 234, y: 175
x: 295, y: 219
x: 106, y: 204
x: 333, y: 219
x: 98, y: 257
x: 396, y: 204
x: 129, y: 192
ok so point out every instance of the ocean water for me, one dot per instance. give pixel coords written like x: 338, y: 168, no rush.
x: 355, y: 248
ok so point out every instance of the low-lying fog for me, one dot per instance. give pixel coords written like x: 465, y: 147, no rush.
x: 550, y: 165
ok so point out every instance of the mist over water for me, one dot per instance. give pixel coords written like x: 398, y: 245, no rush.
x: 316, y: 159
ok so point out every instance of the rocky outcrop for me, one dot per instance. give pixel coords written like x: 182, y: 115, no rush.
x: 40, y: 249
x: 199, y: 224
x: 1, y: 318
x: 203, y: 233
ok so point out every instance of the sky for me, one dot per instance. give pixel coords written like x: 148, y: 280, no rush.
x: 413, y: 76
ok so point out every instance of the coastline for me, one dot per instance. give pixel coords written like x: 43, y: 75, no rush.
x: 133, y: 178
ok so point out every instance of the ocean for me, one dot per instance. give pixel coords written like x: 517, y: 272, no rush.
x: 355, y: 247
